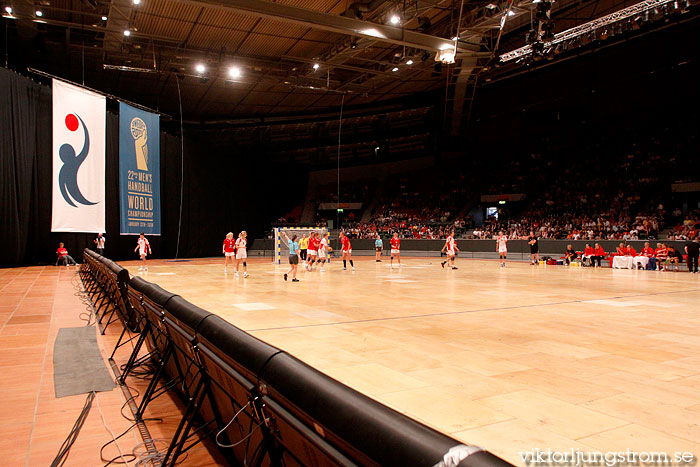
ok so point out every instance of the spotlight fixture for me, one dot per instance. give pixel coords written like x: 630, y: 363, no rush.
x: 446, y: 56
x: 455, y: 38
x: 316, y: 66
x: 127, y: 32
x: 395, y: 20
x: 8, y: 9
x: 104, y: 18
x: 409, y: 62
x: 491, y: 6
x: 353, y: 44
x: 234, y: 72
x: 395, y: 68
x: 511, y: 13
x: 200, y: 68
x: 39, y: 13
x: 136, y: 2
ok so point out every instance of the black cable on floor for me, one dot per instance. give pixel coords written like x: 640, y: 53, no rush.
x: 63, y: 452
x: 89, y: 314
x: 118, y: 459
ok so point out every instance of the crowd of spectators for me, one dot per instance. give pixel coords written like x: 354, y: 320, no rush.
x: 416, y: 207
x: 604, y: 227
x: 605, y: 189
x: 611, y: 187
x: 293, y: 217
x: 405, y: 229
x: 688, y: 228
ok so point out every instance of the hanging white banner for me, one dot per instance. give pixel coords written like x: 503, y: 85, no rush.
x: 79, y: 123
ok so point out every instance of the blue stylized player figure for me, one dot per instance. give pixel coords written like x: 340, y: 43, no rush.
x: 68, y: 176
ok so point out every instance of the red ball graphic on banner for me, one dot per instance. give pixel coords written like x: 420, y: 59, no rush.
x: 71, y: 122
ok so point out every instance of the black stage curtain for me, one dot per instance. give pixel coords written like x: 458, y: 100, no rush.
x: 20, y: 154
x: 221, y: 192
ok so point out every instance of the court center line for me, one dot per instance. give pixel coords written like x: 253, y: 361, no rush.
x: 447, y: 313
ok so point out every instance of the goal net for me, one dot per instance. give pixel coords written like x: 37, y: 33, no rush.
x: 281, y: 247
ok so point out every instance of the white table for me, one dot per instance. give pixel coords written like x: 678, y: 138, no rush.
x: 623, y: 262
x: 643, y: 260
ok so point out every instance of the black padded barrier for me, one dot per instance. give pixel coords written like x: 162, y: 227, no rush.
x: 107, y: 283
x: 546, y: 246
x: 266, y: 406
x: 246, y: 354
x: 237, y: 395
x: 364, y: 429
x: 152, y: 291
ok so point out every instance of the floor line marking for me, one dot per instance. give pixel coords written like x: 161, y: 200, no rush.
x: 447, y: 313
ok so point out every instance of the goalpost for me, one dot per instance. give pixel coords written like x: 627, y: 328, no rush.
x: 281, y: 248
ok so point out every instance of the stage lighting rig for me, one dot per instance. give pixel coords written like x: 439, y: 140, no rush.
x: 545, y: 25
x: 543, y: 31
x: 632, y: 17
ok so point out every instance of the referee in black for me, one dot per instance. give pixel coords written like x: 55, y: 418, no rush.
x: 692, y: 249
x: 534, y: 249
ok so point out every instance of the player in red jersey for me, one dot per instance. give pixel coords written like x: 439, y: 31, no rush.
x: 649, y: 252
x: 451, y: 247
x: 242, y: 253
x: 229, y: 250
x: 599, y: 254
x: 395, y: 249
x: 347, y: 251
x: 588, y: 254
x: 312, y: 250
x: 661, y: 255
x: 622, y: 250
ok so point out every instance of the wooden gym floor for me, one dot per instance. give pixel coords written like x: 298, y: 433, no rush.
x: 35, y: 303
x: 511, y: 359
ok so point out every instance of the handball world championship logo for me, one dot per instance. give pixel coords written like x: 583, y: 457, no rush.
x: 68, y: 176
x: 139, y: 132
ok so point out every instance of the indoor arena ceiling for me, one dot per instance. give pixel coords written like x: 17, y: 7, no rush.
x: 293, y: 56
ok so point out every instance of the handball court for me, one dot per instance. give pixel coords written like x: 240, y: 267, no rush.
x: 511, y: 359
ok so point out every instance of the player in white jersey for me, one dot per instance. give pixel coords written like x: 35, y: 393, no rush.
x: 323, y: 249
x: 242, y: 252
x: 501, y: 242
x: 451, y: 247
x: 143, y: 247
